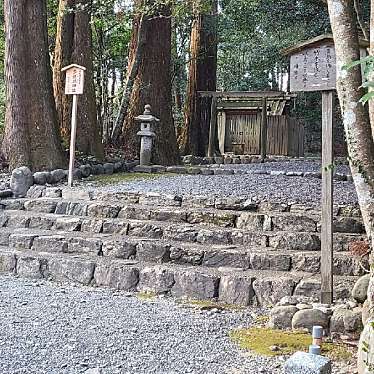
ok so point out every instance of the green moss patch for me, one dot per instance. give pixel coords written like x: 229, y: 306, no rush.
x: 260, y: 340
x: 106, y: 179
x: 145, y: 296
x: 208, y: 304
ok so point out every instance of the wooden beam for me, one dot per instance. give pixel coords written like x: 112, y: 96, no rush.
x: 213, y: 127
x: 327, y: 198
x: 254, y: 94
x: 264, y: 128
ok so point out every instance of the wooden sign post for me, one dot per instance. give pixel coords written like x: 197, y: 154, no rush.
x: 73, y: 86
x: 313, y: 68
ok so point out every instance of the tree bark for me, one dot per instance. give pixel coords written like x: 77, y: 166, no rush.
x: 355, y: 117
x: 202, y: 77
x: 31, y: 131
x: 74, y: 45
x: 153, y: 86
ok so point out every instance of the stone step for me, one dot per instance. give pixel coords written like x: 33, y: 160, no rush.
x: 270, y: 220
x: 165, y: 251
x: 226, y: 285
x: 185, y: 232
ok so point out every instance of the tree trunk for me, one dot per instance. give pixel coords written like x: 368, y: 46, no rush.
x: 153, y: 86
x: 356, y: 119
x: 371, y: 52
x: 202, y: 77
x: 74, y: 45
x: 136, y: 52
x: 31, y: 131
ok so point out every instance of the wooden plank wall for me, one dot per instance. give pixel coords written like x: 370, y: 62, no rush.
x: 285, y: 134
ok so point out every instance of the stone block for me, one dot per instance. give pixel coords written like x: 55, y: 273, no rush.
x: 4, y: 237
x: 86, y: 170
x: 17, y: 221
x: 155, y: 199
x: 348, y: 225
x: 71, y: 270
x: 21, y: 240
x: 68, y: 224
x: 145, y: 230
x: 117, y: 275
x: 153, y: 251
x: 253, y: 222
x: 206, y: 171
x: 168, y: 215
x: 35, y: 192
x: 225, y: 258
x: 13, y: 204
x: 92, y: 225
x: 76, y: 209
x: 195, y: 284
x: 236, y: 290
x: 41, y: 205
x: 308, y: 287
x: 270, y: 261
x: 8, y: 262
x: 217, y: 236
x: 307, y: 318
x: 112, y: 226
x: 156, y: 279
x: 122, y: 249
x: 309, y: 263
x: 84, y: 245
x: 176, y: 169
x: 295, y: 241
x: 186, y: 255
x: 52, y: 244
x: 20, y: 181
x: 306, y: 363
x: 41, y: 177
x: 108, y: 168
x: 281, y: 317
x: 76, y: 194
x: 52, y: 192
x: 103, y: 210
x: 41, y: 223
x: 180, y: 233
x: 293, y: 223
x: 57, y: 175
x: 30, y: 267
x: 270, y: 290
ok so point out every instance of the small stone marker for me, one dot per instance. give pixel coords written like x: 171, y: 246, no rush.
x: 306, y: 363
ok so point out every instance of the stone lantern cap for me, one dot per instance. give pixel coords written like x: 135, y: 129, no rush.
x: 147, y: 116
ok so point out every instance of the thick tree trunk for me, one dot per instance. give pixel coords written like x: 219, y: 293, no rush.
x: 371, y: 52
x: 202, y: 77
x: 74, y: 45
x: 153, y: 86
x: 356, y: 120
x: 31, y: 131
x: 136, y: 52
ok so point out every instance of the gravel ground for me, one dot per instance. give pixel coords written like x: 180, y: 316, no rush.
x: 258, y: 187
x: 47, y: 328
x: 296, y: 166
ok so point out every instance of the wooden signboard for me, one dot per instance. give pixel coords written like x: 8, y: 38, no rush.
x: 74, y: 84
x: 313, y: 69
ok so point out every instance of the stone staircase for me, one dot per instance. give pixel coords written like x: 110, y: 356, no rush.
x: 233, y: 250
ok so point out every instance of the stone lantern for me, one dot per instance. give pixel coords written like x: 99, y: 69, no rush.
x: 147, y: 123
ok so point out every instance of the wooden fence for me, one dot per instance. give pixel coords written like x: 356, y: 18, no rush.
x: 241, y: 133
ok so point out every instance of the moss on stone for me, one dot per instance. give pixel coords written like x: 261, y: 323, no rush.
x: 260, y: 340
x: 106, y: 179
x: 145, y: 296
x: 208, y: 304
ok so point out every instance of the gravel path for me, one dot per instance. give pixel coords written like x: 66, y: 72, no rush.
x: 258, y: 187
x: 46, y: 328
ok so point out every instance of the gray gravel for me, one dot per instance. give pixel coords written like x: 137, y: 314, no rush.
x: 295, y: 166
x: 46, y: 328
x: 258, y: 187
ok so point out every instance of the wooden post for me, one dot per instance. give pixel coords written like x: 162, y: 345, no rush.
x: 327, y: 198
x: 264, y: 128
x: 213, y: 127
x: 73, y: 136
x: 74, y: 83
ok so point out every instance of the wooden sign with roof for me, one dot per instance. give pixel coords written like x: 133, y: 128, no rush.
x: 313, y: 64
x: 74, y: 82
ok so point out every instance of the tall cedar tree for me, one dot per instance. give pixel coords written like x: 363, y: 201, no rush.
x: 74, y: 45
x: 31, y: 131
x: 202, y: 77
x: 359, y: 140
x: 152, y: 85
